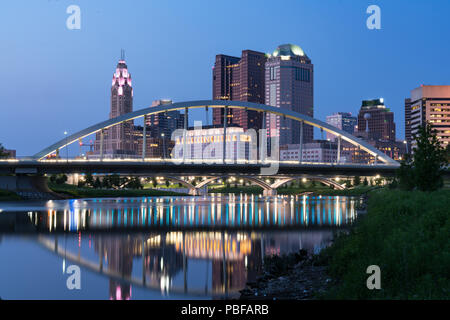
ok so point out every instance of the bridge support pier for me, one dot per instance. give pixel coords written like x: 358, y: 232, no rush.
x: 269, y: 192
x: 198, y: 192
x: 28, y: 187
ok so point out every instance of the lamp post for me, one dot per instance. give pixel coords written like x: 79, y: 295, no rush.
x: 406, y: 143
x: 164, y: 145
x: 67, y: 147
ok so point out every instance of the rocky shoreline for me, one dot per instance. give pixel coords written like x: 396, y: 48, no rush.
x: 296, y: 276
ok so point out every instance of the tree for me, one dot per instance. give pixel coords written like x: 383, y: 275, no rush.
x: 154, y: 182
x: 348, y: 184
x: 365, y: 182
x: 447, y: 153
x: 405, y: 174
x: 378, y: 181
x: 61, y: 179
x: 115, y: 181
x: 89, y: 179
x: 357, y: 181
x: 106, y: 182
x: 424, y: 170
x: 167, y: 183
x: 3, y: 153
x: 134, y: 183
x: 97, y: 184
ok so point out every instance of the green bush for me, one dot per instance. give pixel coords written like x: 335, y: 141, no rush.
x: 407, y: 235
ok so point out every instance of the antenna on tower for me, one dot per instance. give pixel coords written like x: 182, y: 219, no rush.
x: 122, y: 54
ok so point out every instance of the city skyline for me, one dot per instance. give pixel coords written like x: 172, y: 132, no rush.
x: 74, y: 61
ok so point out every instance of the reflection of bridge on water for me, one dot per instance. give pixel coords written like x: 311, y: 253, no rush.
x: 235, y: 258
x: 231, y: 233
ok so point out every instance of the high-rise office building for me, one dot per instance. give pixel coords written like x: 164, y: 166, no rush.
x: 375, y: 121
x: 428, y: 104
x: 289, y: 85
x: 408, y: 136
x: 118, y: 140
x: 164, y: 123
x: 341, y: 120
x: 239, y: 79
x: 159, y: 128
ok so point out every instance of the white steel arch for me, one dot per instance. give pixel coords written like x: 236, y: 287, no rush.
x: 217, y: 104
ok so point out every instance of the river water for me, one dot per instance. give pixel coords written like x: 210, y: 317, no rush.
x: 157, y: 247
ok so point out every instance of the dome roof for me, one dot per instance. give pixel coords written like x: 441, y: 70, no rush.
x: 288, y: 50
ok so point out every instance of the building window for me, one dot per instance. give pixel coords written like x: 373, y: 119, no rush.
x: 273, y: 73
x: 302, y: 74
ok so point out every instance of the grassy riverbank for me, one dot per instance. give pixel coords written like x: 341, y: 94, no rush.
x: 322, y: 190
x: 76, y: 192
x: 237, y: 189
x: 9, y: 196
x: 407, y: 235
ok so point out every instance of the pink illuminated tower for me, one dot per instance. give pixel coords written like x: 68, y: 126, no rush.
x: 118, y: 140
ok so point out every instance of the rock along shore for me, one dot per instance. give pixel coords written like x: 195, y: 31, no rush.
x: 294, y: 277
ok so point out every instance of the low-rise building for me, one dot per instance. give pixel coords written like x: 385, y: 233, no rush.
x: 317, y: 151
x: 207, y: 143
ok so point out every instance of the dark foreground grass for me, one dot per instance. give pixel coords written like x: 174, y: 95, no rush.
x: 9, y: 196
x: 74, y: 191
x: 407, y: 234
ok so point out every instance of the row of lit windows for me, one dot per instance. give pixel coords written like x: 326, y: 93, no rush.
x: 438, y: 116
x: 210, y: 139
x: 440, y: 110
x: 440, y: 121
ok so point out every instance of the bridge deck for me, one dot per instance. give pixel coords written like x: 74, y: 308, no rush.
x: 139, y: 167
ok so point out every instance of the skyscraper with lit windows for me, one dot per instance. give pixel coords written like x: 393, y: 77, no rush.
x: 430, y: 104
x: 118, y: 140
x: 239, y: 79
x: 290, y: 86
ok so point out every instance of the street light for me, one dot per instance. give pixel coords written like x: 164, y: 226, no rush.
x: 406, y: 143
x: 67, y: 147
x: 164, y: 146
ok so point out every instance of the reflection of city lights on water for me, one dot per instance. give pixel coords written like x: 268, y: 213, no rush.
x: 245, y: 211
x: 165, y: 284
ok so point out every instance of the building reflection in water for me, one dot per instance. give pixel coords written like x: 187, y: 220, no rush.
x: 192, y: 229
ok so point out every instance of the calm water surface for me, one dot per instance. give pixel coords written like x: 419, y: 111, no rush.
x: 157, y: 247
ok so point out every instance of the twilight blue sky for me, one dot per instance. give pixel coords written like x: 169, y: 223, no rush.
x: 54, y: 79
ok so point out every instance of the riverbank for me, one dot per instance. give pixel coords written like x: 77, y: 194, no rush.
x: 9, y: 196
x: 76, y: 192
x: 405, y: 233
x: 295, y: 277
x: 319, y: 190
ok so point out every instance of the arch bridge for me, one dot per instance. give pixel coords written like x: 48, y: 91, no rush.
x: 251, y: 169
x: 269, y: 189
x: 225, y: 104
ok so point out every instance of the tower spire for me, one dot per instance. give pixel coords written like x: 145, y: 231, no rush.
x: 122, y: 54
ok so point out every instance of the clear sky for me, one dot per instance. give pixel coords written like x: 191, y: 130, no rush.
x: 55, y: 79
